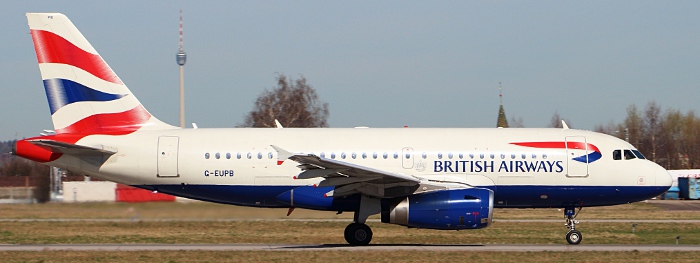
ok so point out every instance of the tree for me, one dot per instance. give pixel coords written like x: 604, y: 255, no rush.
x: 652, y: 127
x: 633, y: 124
x: 517, y: 122
x: 294, y: 103
x: 555, y: 121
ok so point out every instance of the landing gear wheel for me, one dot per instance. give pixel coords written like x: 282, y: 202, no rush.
x: 357, y: 234
x: 574, y: 237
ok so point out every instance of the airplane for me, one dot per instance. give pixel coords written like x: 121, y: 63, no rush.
x: 433, y: 178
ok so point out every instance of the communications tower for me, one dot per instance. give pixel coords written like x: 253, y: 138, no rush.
x: 181, y: 58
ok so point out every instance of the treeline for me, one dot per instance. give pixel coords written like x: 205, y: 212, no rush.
x: 670, y: 138
x: 13, y: 166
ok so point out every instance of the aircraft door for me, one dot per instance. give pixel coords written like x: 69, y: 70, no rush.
x: 577, y: 156
x: 167, y: 156
x: 407, y: 157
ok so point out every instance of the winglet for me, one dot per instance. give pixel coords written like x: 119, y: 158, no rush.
x: 282, y: 154
x: 563, y: 125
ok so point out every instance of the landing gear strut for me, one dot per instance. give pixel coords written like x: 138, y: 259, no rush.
x: 574, y: 237
x: 358, y: 234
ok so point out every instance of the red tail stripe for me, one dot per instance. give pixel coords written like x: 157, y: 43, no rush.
x: 52, y: 48
x: 109, y: 123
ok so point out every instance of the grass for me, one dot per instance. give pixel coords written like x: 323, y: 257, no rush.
x: 345, y: 256
x: 203, y: 210
x: 205, y: 231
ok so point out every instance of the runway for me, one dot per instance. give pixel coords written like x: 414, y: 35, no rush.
x: 127, y: 220
x: 335, y: 247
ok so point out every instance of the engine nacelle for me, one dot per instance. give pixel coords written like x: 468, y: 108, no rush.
x: 446, y: 209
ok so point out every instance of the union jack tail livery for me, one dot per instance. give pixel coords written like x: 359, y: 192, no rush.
x: 85, y: 96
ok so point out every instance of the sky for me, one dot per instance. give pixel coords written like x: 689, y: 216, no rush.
x: 376, y: 63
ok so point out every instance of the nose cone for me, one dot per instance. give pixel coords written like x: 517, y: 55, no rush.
x: 663, y: 178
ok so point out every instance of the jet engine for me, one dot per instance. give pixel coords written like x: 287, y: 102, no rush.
x: 445, y: 209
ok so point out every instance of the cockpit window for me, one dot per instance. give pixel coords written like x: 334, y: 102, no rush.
x: 638, y: 154
x: 629, y: 155
x: 617, y: 154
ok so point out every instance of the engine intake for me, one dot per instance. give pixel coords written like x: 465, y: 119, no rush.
x: 446, y: 209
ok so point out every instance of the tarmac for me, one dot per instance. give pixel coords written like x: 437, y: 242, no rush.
x: 335, y: 247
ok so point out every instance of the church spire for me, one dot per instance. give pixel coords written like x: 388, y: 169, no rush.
x: 502, y: 120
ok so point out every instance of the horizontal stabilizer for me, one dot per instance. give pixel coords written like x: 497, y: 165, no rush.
x: 71, y: 149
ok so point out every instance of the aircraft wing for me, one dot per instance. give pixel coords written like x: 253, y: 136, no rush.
x: 350, y: 178
x: 71, y: 149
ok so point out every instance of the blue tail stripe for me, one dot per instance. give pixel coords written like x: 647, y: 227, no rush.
x: 61, y: 92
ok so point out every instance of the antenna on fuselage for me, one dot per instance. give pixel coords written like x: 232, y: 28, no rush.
x: 563, y: 125
x: 278, y: 124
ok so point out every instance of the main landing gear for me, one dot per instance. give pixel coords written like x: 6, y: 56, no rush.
x: 358, y: 234
x: 574, y: 237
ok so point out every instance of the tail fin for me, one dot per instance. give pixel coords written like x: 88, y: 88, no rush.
x: 85, y: 96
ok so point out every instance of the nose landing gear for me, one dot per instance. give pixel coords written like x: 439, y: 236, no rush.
x: 574, y: 237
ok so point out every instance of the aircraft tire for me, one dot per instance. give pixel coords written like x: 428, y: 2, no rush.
x: 357, y: 234
x: 574, y: 237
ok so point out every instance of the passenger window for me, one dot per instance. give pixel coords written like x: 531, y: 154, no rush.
x: 342, y: 156
x: 396, y: 155
x: 617, y: 154
x: 481, y: 156
x: 439, y: 155
x: 228, y: 155
x: 461, y: 156
x: 449, y: 155
x: 269, y: 155
x: 629, y: 155
x: 534, y: 156
x: 471, y: 156
x: 217, y: 155
x: 354, y: 155
x: 408, y: 156
x: 512, y: 156
x: 492, y: 156
x: 249, y: 155
x: 259, y: 155
x: 544, y: 156
x: 206, y: 156
x: 385, y: 155
x: 523, y: 156
x: 374, y: 155
x: 503, y: 156
x: 323, y: 155
x: 425, y: 155
x: 238, y: 155
x: 332, y: 155
x: 364, y: 155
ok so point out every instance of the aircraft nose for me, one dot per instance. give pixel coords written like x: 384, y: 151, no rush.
x: 663, y: 177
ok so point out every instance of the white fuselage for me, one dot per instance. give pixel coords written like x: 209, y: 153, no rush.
x: 243, y: 158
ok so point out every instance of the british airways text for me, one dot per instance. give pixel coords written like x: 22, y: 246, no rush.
x: 501, y: 167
